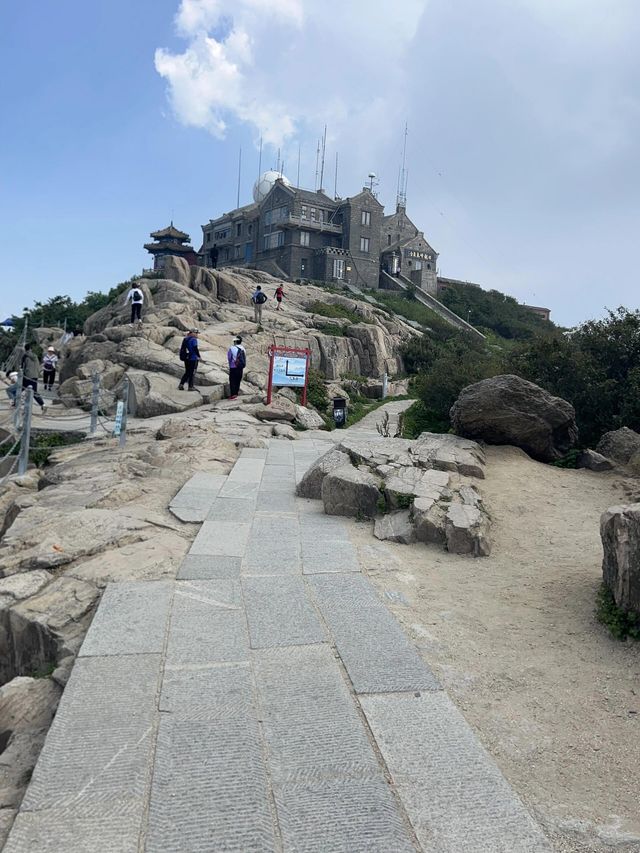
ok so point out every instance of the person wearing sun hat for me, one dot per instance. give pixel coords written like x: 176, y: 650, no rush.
x: 49, y: 366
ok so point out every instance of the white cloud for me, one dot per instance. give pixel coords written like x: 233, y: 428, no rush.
x: 287, y: 67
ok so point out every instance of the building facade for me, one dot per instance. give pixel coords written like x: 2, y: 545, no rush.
x: 170, y: 241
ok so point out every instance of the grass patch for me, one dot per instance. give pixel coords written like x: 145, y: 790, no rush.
x: 331, y: 329
x: 569, y: 460
x: 621, y: 625
x: 42, y: 445
x: 418, y: 419
x: 336, y: 312
x: 411, y: 309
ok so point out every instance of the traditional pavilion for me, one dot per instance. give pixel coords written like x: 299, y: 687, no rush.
x: 170, y: 241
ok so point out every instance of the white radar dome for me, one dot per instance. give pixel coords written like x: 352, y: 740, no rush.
x: 262, y: 186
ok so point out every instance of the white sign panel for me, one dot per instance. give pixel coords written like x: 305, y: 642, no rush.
x: 289, y: 370
x: 119, y: 412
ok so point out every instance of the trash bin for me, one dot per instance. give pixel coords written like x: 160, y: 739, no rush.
x: 339, y: 411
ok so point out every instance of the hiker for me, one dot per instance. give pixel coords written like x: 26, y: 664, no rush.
x: 237, y: 358
x: 279, y: 294
x: 136, y: 296
x: 258, y: 299
x: 12, y: 388
x: 49, y: 365
x: 30, y: 367
x: 190, y: 354
x: 213, y: 254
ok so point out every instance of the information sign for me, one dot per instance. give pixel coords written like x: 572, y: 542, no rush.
x: 289, y: 371
x: 119, y: 413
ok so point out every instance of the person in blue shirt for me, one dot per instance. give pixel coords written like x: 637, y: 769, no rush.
x: 190, y: 355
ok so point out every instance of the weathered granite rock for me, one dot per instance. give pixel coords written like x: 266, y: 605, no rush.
x: 285, y: 431
x: 280, y: 409
x: 407, y: 483
x: 449, y: 453
x: 429, y: 519
x: 510, y: 410
x: 395, y: 527
x: 176, y: 269
x: 466, y: 529
x: 308, y: 418
x: 233, y: 288
x: 593, y: 461
x: 152, y: 394
x: 619, y: 444
x: 310, y: 486
x: 350, y: 491
x: 620, y: 534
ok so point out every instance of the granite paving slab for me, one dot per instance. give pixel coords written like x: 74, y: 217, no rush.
x: 132, y: 619
x: 239, y: 489
x: 278, y: 501
x: 321, y: 556
x: 273, y: 547
x: 209, y: 788
x: 341, y: 816
x: 48, y: 832
x: 455, y: 796
x: 208, y: 692
x: 203, y: 566
x: 232, y: 509
x: 227, y: 538
x: 311, y: 725
x: 376, y: 654
x: 279, y: 612
x: 247, y: 471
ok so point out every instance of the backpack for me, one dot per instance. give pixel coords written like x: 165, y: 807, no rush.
x: 48, y: 363
x: 184, y: 350
x: 241, y: 358
x: 137, y: 296
x: 261, y: 297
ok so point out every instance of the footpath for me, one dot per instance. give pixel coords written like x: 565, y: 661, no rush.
x: 265, y: 700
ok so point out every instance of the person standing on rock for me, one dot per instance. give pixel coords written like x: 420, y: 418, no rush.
x: 49, y: 365
x: 258, y: 299
x: 279, y: 294
x: 136, y: 297
x: 237, y: 358
x: 30, y: 371
x: 190, y: 354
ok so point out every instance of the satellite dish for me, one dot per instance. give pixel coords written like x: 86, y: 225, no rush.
x: 265, y: 182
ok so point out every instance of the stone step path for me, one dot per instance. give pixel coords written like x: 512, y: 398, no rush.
x: 265, y: 700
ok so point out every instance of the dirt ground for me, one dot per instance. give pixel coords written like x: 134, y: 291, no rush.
x: 514, y: 639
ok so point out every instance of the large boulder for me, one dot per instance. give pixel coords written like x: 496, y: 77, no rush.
x: 234, y: 288
x: 177, y: 269
x: 350, y: 491
x: 620, y: 534
x: 619, y: 444
x: 308, y: 418
x: 310, y: 486
x: 593, y: 461
x: 466, y: 530
x: 510, y: 410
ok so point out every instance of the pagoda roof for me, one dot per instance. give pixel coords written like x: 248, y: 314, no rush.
x: 166, y: 246
x: 169, y: 231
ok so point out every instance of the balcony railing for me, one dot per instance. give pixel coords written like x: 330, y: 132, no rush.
x: 310, y: 224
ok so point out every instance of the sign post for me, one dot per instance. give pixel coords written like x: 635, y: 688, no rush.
x: 288, y: 368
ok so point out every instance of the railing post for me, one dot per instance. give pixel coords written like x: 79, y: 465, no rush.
x: 19, y: 401
x: 125, y: 411
x: 95, y: 398
x: 23, y: 460
x: 385, y: 385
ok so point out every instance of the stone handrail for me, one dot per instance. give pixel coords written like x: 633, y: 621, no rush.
x: 434, y: 304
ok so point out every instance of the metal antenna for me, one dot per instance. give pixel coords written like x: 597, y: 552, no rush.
x: 278, y: 164
x: 324, y: 148
x: 401, y: 199
x: 335, y: 182
x: 317, y: 163
x: 239, y: 174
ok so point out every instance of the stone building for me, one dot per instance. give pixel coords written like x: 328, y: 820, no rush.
x: 300, y: 234
x: 405, y: 249
x: 170, y: 241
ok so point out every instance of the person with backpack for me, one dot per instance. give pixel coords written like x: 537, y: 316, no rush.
x: 136, y: 297
x: 30, y: 367
x: 258, y: 299
x: 190, y: 355
x: 49, y: 365
x: 237, y: 358
x: 279, y: 295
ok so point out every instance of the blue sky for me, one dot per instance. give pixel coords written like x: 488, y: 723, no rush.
x: 524, y: 119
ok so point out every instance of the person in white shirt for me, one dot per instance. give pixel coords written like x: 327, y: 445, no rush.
x: 49, y: 365
x: 136, y: 297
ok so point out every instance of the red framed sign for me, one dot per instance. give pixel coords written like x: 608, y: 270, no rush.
x: 288, y: 368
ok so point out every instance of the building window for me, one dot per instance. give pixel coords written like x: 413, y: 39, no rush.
x: 338, y: 268
x: 209, y: 237
x: 222, y: 235
x: 303, y: 266
x: 364, y: 244
x: 238, y: 252
x: 365, y: 217
x: 239, y: 229
x: 304, y: 238
x: 314, y: 214
x: 303, y: 211
x: 388, y: 239
x: 249, y: 229
x: 273, y: 240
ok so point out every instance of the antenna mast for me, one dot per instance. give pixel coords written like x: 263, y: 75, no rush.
x: 335, y: 183
x: 401, y: 199
x: 324, y: 148
x: 317, y: 163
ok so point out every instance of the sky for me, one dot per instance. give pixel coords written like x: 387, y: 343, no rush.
x: 523, y: 124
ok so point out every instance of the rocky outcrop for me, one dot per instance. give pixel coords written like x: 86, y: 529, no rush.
x: 396, y: 481
x: 593, y: 461
x: 620, y: 534
x: 510, y: 410
x: 620, y: 445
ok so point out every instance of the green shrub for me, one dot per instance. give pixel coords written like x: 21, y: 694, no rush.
x: 331, y: 329
x: 317, y: 391
x: 418, y: 419
x: 621, y: 625
x: 42, y: 445
x: 335, y: 312
x: 569, y: 460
